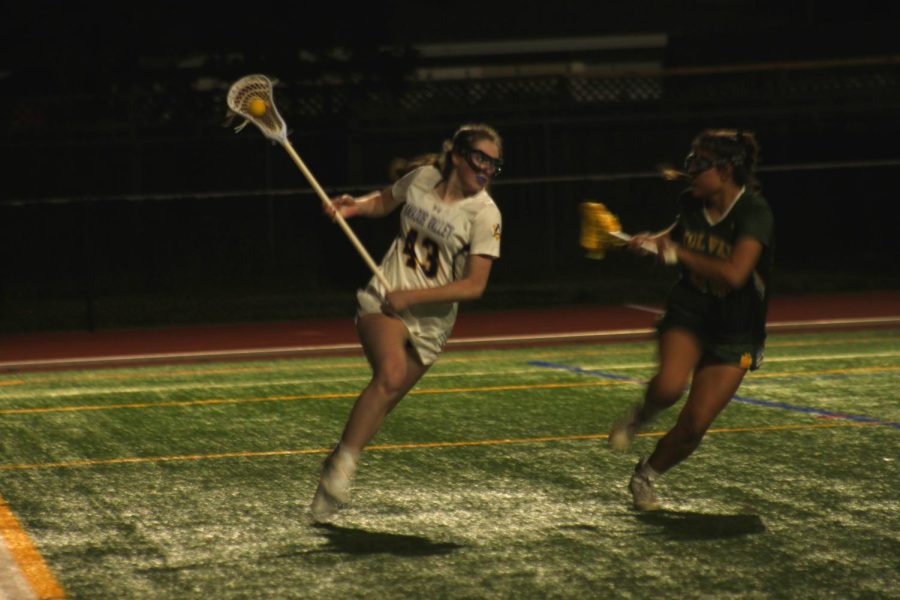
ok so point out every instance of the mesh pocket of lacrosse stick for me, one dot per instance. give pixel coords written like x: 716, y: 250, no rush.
x: 251, y: 97
x: 600, y: 229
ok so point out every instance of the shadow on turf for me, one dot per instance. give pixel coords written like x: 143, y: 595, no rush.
x: 685, y: 525
x: 346, y: 540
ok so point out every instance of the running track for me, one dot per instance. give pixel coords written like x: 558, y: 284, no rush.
x: 19, y: 352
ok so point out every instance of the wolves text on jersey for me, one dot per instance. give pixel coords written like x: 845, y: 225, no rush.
x: 715, y: 246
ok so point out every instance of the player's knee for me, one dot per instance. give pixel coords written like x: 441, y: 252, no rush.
x: 390, y: 379
x: 663, y: 392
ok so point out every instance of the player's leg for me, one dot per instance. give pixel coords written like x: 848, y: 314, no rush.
x: 679, y: 353
x: 712, y: 388
x: 395, y: 370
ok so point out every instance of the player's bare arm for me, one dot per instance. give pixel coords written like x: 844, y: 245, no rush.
x: 732, y: 272
x: 373, y: 205
x: 470, y: 287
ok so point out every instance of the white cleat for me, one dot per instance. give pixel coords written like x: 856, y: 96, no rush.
x: 624, y: 429
x: 641, y: 486
x: 334, y: 484
x: 323, y: 506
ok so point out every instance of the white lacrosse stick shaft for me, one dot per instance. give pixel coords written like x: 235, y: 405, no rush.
x: 258, y: 88
x: 337, y: 215
x: 647, y: 245
x: 669, y: 255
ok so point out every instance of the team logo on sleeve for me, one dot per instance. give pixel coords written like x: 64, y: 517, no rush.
x: 495, y: 231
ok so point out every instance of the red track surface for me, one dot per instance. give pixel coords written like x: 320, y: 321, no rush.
x: 236, y: 338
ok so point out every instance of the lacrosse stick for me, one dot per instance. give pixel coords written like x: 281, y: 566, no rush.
x: 600, y: 230
x: 251, y: 97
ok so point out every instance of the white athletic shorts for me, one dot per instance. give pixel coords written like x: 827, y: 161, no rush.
x: 428, y: 325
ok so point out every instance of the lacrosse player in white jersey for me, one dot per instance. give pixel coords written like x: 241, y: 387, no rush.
x: 449, y: 237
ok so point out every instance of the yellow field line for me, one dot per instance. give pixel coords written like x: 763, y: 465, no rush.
x: 775, y: 343
x: 146, y: 372
x: 226, y: 401
x: 887, y: 369
x: 357, y: 363
x: 27, y: 557
x: 542, y: 386
x: 600, y: 436
x: 411, y: 446
x: 56, y: 409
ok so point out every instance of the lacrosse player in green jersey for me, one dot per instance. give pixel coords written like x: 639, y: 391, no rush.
x: 713, y: 328
x: 449, y: 237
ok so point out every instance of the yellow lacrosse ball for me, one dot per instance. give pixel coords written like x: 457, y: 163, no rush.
x: 257, y: 106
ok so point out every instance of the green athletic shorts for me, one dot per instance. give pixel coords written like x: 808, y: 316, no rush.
x: 727, y: 333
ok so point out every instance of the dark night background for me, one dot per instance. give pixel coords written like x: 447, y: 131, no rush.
x: 125, y: 202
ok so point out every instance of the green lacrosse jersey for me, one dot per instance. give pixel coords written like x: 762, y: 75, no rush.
x: 732, y: 315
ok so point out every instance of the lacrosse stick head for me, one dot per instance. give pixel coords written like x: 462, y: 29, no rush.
x: 251, y: 98
x: 596, y: 224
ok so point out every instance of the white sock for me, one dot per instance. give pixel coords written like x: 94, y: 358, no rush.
x: 345, y: 456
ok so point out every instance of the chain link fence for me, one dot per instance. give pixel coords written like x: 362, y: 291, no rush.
x: 138, y: 208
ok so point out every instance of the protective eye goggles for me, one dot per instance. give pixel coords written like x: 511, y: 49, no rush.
x: 479, y: 161
x: 698, y: 164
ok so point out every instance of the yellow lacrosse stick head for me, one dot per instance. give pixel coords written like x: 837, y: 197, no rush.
x: 596, y: 223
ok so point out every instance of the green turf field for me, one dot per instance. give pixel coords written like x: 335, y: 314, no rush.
x: 491, y: 480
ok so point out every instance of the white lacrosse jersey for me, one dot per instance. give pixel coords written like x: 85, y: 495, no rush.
x: 435, y: 240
